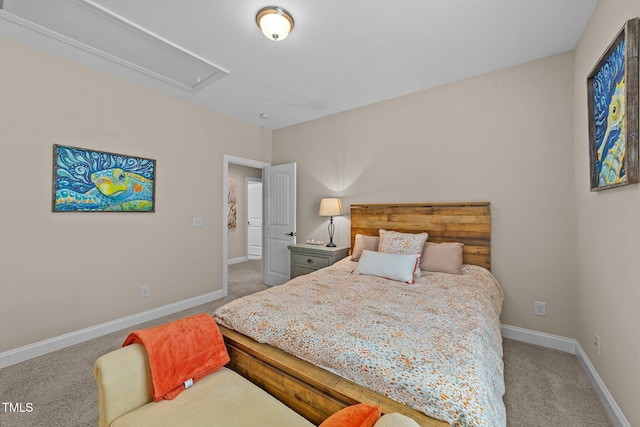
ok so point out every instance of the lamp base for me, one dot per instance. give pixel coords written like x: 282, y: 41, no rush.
x: 332, y: 228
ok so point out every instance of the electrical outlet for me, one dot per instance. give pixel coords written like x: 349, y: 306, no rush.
x: 540, y: 308
x: 145, y: 291
x: 596, y: 342
x: 197, y: 221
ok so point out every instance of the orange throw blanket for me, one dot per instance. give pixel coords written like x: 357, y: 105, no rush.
x: 180, y: 351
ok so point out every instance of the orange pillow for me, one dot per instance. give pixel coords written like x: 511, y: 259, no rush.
x: 360, y: 415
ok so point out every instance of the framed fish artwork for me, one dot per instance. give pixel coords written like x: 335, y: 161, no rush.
x: 96, y: 181
x: 612, y: 90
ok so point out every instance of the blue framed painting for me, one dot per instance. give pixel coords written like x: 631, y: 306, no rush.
x: 96, y: 181
x: 612, y: 88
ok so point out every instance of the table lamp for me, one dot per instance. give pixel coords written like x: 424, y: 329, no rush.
x: 331, y: 207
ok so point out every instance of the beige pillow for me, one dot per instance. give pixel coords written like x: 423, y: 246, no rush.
x: 442, y: 257
x: 362, y: 242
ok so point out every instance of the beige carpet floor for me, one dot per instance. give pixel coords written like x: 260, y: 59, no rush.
x: 543, y: 387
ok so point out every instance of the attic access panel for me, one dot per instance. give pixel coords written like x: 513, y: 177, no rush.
x: 84, y: 24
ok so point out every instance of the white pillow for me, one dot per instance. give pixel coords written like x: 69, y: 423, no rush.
x: 400, y: 267
x: 395, y: 419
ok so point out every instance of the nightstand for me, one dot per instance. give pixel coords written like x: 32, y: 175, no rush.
x: 306, y: 258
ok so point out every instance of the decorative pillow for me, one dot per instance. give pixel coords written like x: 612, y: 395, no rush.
x: 400, y: 267
x: 393, y: 242
x: 362, y: 242
x: 442, y: 257
x: 360, y: 415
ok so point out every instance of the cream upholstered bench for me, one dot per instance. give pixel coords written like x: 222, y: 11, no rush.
x: 223, y: 398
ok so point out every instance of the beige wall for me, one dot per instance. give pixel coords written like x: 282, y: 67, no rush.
x: 608, y: 236
x: 237, y: 237
x: 503, y: 137
x: 67, y: 271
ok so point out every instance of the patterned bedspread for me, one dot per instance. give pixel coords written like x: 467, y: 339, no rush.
x: 434, y: 345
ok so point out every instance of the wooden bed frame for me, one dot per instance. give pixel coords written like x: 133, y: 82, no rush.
x: 316, y: 393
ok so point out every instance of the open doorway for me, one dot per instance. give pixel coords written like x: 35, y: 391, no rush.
x: 234, y: 239
x: 241, y: 199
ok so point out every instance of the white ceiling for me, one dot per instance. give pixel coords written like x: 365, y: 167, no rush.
x: 340, y: 54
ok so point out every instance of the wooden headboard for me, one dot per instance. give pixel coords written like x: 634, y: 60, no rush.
x: 466, y: 222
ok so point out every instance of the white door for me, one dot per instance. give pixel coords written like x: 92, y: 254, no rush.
x: 254, y: 219
x: 279, y: 221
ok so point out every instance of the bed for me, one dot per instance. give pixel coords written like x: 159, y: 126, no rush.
x: 437, y: 362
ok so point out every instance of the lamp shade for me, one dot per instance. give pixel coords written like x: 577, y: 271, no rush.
x: 274, y: 22
x: 330, y: 207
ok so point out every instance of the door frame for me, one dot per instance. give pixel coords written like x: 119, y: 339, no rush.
x: 226, y: 159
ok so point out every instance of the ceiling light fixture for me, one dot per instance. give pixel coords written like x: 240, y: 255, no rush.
x: 274, y: 22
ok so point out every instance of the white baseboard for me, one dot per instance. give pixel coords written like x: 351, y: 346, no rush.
x: 237, y: 260
x: 616, y: 415
x: 21, y: 354
x: 555, y: 342
x: 572, y: 346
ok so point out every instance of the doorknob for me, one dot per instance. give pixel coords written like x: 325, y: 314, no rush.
x: 290, y: 234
